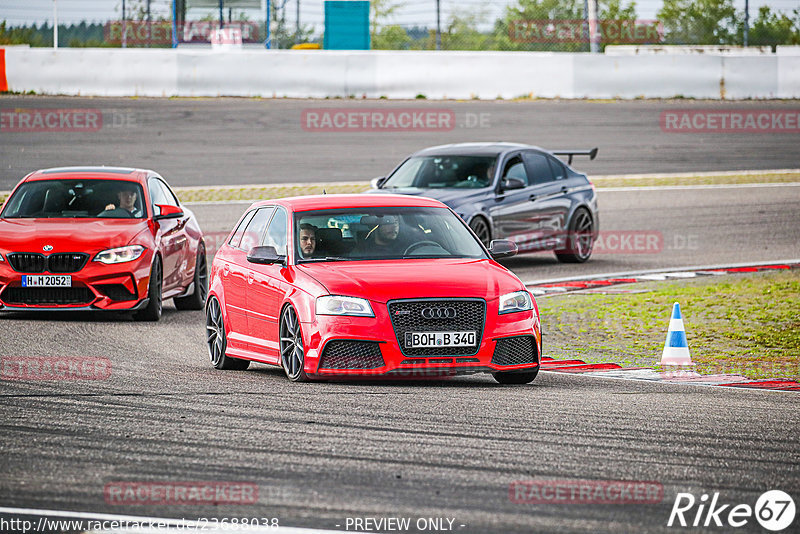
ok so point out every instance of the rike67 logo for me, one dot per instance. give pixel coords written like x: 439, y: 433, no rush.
x: 774, y: 511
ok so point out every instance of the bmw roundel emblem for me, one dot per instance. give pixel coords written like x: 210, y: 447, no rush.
x: 47, y: 248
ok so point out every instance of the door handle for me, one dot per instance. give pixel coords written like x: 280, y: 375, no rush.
x: 564, y: 189
x: 532, y: 198
x: 250, y: 277
x: 226, y: 270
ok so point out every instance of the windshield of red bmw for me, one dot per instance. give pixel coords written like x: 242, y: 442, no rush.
x: 437, y: 172
x: 383, y: 233
x: 70, y: 199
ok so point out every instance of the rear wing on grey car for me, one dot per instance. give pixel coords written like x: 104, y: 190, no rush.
x: 592, y: 153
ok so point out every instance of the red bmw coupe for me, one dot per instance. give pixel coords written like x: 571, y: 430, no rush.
x: 99, y: 238
x: 368, y: 285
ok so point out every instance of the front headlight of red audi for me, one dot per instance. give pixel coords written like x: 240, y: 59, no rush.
x: 515, y: 302
x: 338, y: 305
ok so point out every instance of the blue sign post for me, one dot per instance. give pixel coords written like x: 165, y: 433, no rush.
x: 346, y: 25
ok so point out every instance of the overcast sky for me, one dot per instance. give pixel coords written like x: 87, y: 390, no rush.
x: 413, y: 12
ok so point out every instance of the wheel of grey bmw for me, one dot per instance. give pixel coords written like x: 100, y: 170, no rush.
x: 292, y: 351
x: 216, y: 340
x: 580, y: 239
x: 481, y: 229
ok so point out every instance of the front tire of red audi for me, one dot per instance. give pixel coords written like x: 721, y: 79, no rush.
x: 291, y: 344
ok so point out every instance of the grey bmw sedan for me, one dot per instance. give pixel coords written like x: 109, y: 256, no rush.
x: 507, y: 191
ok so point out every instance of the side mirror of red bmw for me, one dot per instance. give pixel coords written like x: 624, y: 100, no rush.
x: 167, y: 212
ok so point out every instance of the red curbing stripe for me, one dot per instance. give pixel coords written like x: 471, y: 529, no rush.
x: 776, y: 267
x: 588, y: 368
x: 3, y: 79
x: 565, y: 362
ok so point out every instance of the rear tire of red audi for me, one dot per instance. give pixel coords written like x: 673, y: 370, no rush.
x: 217, y: 341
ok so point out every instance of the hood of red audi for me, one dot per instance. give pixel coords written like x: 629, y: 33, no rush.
x: 67, y: 235
x: 386, y: 280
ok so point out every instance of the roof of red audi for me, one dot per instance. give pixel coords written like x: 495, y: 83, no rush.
x: 318, y: 202
x: 95, y: 172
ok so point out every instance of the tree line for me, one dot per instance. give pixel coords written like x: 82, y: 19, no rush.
x: 552, y: 25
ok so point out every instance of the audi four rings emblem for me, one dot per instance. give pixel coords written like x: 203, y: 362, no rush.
x: 439, y: 313
x: 47, y: 248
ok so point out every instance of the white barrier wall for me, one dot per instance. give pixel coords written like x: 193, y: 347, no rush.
x: 395, y: 74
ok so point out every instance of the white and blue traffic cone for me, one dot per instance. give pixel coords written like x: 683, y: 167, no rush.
x: 676, y: 349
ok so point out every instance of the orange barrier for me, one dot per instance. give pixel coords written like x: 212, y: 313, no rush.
x: 3, y: 81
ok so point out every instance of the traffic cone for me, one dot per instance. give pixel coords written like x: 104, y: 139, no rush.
x: 676, y: 349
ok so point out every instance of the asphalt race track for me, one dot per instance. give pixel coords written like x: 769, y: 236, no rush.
x: 321, y: 453
x: 194, y: 141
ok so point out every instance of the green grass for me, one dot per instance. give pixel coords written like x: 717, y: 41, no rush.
x: 746, y: 324
x: 264, y: 192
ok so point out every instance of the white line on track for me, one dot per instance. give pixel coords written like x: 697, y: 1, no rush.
x: 689, y: 187
x: 633, y: 274
x: 156, y: 524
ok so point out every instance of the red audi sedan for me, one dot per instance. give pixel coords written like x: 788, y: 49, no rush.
x: 99, y: 238
x: 338, y: 286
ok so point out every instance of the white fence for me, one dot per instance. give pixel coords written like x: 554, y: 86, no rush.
x: 392, y: 74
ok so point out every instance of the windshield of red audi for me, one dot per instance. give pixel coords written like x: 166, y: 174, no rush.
x: 382, y: 233
x: 438, y: 172
x: 70, y: 199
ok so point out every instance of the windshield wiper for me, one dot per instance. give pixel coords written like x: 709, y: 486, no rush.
x: 326, y: 258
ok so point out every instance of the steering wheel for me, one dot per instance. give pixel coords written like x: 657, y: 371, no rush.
x: 418, y: 244
x: 116, y: 213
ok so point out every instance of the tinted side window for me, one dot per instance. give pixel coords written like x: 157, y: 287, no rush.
x: 538, y: 168
x: 558, y: 169
x: 236, y: 238
x: 172, y: 200
x: 255, y: 229
x: 157, y: 195
x: 276, y: 234
x: 515, y: 169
